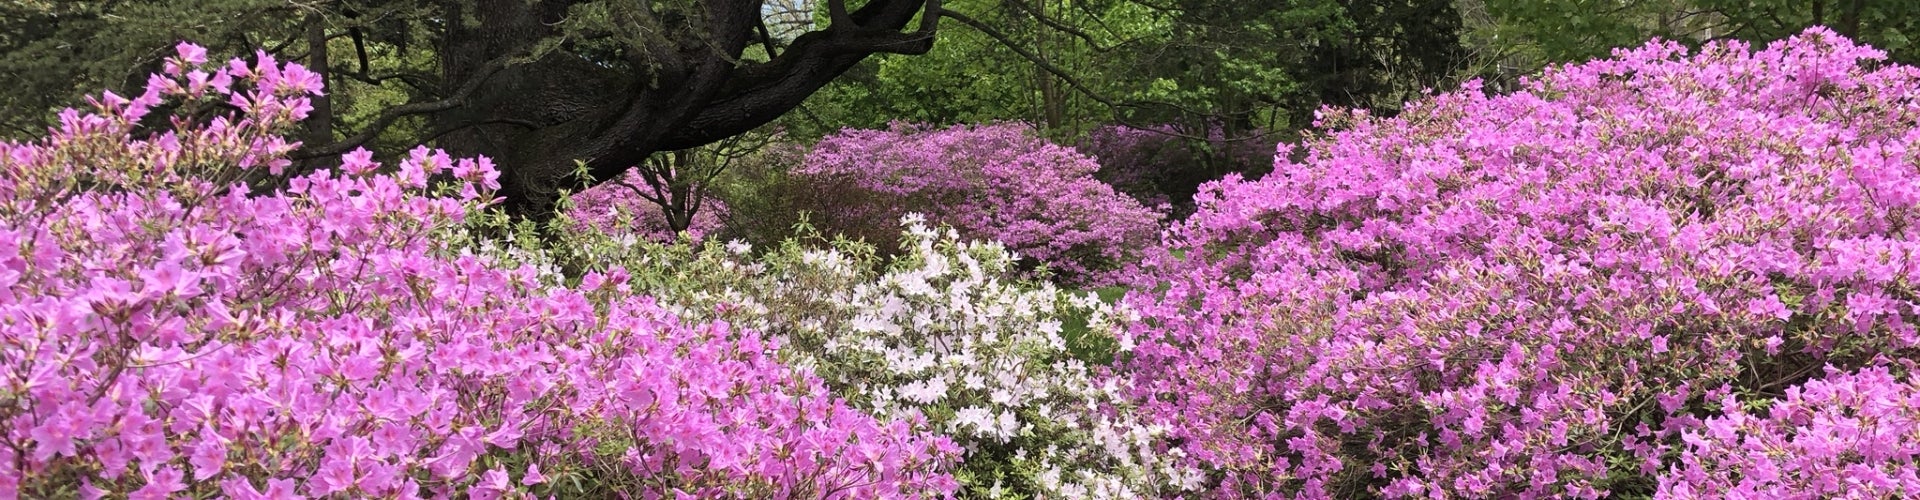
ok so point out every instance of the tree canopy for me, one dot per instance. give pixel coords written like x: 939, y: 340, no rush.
x: 541, y: 87
x: 548, y: 87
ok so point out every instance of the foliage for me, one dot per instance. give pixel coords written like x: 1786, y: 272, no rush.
x: 1162, y: 166
x: 55, y: 52
x: 333, y: 339
x: 1527, y: 35
x: 765, y: 200
x: 536, y: 85
x: 1244, y: 66
x: 947, y: 330
x: 995, y: 182
x: 1540, y: 293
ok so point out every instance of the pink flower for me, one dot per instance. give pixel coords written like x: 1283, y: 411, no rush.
x: 533, y: 476
x: 207, y: 459
x: 496, y: 480
x: 320, y: 340
x: 161, y: 484
x: 57, y: 436
x: 192, y: 54
x: 358, y: 162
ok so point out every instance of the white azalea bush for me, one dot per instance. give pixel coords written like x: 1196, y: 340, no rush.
x: 947, y: 330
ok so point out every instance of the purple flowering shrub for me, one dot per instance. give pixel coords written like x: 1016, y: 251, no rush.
x: 163, y: 334
x: 998, y: 182
x: 1854, y: 435
x: 1544, y: 293
x: 616, y: 208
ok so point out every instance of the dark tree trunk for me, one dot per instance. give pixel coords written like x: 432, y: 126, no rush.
x: 320, y: 121
x: 678, y: 84
x: 1850, y: 19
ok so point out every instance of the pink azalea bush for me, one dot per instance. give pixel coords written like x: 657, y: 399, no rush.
x: 615, y: 208
x: 1544, y: 293
x: 998, y: 182
x: 1852, y: 435
x: 163, y: 334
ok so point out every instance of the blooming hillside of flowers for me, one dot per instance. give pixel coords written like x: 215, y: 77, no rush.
x: 1671, y: 274
x: 1690, y: 273
x: 998, y: 182
x: 164, y: 333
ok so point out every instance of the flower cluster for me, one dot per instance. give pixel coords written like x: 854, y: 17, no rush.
x: 165, y: 334
x: 1537, y: 293
x: 997, y: 182
x: 617, y: 207
x: 1854, y: 435
x: 947, y: 330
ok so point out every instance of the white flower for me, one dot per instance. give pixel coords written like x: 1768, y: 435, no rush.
x: 948, y: 334
x: 972, y: 416
x: 868, y: 324
x: 936, y: 266
x: 891, y: 307
x: 1008, y: 425
x: 915, y: 285
x: 913, y: 219
x: 1001, y: 396
x: 924, y: 392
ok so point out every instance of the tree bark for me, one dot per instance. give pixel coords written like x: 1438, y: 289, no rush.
x: 1850, y: 19
x: 680, y: 83
x: 319, y: 122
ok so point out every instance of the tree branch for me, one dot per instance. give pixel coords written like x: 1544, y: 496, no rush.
x: 395, y: 113
x: 1112, y: 105
x: 456, y: 128
x: 1064, y: 28
x: 757, y: 93
x: 1007, y: 42
x: 766, y: 37
x: 837, y: 17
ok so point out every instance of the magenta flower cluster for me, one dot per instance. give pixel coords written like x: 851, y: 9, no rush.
x: 999, y: 182
x: 1849, y: 435
x: 167, y: 334
x: 1545, y: 293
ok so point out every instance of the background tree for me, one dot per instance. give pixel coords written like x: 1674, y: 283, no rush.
x: 534, y: 85
x: 1219, y: 77
x: 1523, y: 35
x: 1267, y: 64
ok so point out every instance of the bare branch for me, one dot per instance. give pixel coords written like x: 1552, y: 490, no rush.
x: 1064, y: 27
x: 1007, y: 42
x: 395, y: 113
x: 1113, y: 105
x: 766, y: 37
